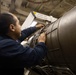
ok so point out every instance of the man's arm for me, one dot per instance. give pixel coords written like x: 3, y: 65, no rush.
x: 20, y: 56
x: 27, y: 32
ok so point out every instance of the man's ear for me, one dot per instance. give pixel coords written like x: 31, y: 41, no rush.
x: 12, y: 27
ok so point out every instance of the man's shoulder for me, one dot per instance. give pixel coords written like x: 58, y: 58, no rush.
x: 7, y: 42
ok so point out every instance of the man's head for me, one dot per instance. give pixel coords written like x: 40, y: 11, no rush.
x: 9, y: 25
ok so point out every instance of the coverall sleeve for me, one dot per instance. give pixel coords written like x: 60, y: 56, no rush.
x: 27, y: 32
x: 16, y: 55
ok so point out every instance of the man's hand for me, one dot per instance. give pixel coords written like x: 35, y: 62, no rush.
x: 42, y: 38
x: 39, y: 26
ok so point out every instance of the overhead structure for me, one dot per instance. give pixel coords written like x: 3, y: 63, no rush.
x: 56, y: 8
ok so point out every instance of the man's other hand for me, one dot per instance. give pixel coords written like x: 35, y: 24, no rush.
x: 42, y: 37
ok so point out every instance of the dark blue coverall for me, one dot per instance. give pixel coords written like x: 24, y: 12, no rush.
x: 14, y: 57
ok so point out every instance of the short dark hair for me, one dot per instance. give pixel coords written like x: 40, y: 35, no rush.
x: 5, y: 20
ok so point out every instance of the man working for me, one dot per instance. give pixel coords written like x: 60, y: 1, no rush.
x: 13, y: 56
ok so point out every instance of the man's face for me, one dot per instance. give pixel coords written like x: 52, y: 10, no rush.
x: 17, y: 31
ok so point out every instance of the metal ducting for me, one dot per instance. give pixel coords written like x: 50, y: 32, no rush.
x: 61, y: 41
